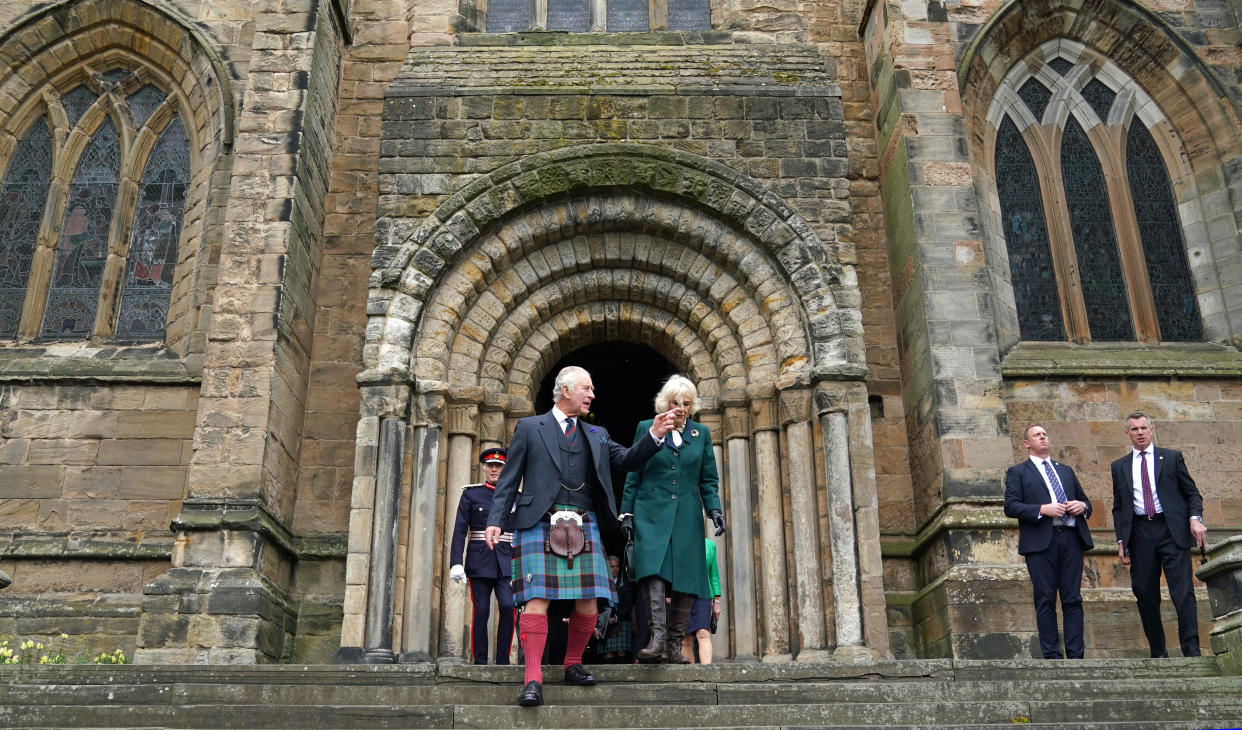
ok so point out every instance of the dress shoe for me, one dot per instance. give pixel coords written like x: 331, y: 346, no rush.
x: 532, y: 694
x: 576, y: 675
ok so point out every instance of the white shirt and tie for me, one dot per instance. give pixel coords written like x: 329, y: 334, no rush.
x: 1136, y: 479
x: 1047, y: 470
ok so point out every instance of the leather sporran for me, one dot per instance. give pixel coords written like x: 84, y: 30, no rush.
x: 565, y: 536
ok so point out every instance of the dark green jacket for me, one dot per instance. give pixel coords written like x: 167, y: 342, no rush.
x: 668, y: 497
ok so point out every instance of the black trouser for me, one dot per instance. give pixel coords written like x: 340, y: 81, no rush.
x: 1055, y: 570
x: 1151, y: 550
x: 481, y: 590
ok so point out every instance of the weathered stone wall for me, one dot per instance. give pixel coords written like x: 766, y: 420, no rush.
x: 958, y: 583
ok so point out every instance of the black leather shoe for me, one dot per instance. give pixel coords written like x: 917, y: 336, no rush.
x: 532, y: 694
x: 576, y: 675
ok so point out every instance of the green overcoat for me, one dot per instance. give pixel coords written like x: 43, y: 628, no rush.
x: 668, y: 497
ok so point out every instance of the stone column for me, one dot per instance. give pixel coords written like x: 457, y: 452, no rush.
x: 377, y: 648
x: 859, y: 606
x: 378, y: 457
x: 424, y: 521
x: 770, y: 511
x: 720, y: 639
x: 492, y: 434
x: 740, y: 601
x: 795, y: 414
x: 462, y: 426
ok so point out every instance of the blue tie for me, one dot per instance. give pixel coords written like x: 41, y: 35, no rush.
x: 1057, y: 489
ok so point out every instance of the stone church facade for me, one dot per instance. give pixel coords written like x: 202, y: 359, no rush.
x: 273, y: 273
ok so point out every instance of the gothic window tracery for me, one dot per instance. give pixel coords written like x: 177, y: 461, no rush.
x: 108, y: 243
x: 1087, y: 209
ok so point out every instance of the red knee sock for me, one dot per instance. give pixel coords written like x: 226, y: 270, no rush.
x: 581, y: 626
x: 533, y: 633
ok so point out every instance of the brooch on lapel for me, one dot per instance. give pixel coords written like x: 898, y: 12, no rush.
x: 694, y: 432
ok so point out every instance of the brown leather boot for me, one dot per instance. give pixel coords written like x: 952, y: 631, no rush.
x: 678, y: 617
x: 654, y: 652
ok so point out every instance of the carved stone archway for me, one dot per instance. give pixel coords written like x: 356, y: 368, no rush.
x: 620, y: 242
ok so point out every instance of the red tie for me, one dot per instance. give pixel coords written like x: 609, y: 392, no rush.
x: 1149, y: 500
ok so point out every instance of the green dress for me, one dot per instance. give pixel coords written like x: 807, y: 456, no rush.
x: 668, y: 497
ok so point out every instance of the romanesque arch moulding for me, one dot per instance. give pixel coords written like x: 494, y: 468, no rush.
x: 1176, y: 97
x: 471, y: 306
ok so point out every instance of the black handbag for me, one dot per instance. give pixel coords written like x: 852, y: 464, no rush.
x: 627, y: 555
x: 714, y: 622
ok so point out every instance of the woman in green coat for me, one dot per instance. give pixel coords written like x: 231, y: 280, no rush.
x: 662, y: 509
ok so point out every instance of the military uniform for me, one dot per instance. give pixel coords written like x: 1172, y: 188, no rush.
x: 488, y: 571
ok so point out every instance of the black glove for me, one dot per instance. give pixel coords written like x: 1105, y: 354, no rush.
x: 717, y: 520
x: 627, y: 527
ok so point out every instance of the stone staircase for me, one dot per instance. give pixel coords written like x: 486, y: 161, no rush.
x: 1099, y: 694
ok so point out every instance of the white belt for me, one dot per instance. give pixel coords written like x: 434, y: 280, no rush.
x: 481, y: 535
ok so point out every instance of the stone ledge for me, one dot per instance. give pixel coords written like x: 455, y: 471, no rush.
x: 60, y: 362
x: 88, y: 544
x: 1065, y: 360
x: 226, y: 514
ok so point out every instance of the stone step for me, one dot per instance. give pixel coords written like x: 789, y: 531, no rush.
x: 618, y: 694
x: 1103, y: 694
x: 1216, y: 712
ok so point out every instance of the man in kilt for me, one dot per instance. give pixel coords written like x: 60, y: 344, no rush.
x: 562, y: 464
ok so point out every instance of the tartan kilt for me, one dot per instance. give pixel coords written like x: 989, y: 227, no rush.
x: 618, y: 639
x: 539, y: 574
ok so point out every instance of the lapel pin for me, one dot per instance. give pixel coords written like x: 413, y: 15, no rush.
x: 694, y: 432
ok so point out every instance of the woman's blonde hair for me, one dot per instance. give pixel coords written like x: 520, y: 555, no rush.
x: 676, y: 385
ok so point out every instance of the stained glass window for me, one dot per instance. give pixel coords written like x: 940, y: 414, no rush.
x: 508, y: 16
x: 1060, y: 65
x: 1177, y: 310
x: 571, y: 15
x: 1100, y: 97
x: 83, y: 247
x: 153, y: 247
x: 1036, y: 96
x: 77, y: 102
x: 144, y: 102
x: 22, y: 199
x: 1026, y: 238
x: 1095, y: 238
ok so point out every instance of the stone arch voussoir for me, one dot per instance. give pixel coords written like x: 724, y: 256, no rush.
x: 507, y: 215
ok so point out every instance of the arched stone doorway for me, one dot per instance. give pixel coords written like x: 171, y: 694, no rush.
x: 609, y: 243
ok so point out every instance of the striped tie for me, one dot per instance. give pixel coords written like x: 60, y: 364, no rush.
x: 1058, y: 490
x: 571, y: 429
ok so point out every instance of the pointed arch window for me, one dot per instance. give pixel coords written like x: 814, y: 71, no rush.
x: 91, y: 209
x: 1095, y: 246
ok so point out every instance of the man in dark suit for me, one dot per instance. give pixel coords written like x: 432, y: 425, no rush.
x: 487, y: 570
x: 563, y: 465
x: 1052, y: 511
x: 1158, y: 516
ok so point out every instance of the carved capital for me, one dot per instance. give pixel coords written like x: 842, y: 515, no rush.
x: 763, y: 407
x: 795, y: 406
x: 736, y: 423
x: 384, y: 401
x: 714, y: 421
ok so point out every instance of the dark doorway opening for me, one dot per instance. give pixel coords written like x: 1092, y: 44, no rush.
x: 626, y: 377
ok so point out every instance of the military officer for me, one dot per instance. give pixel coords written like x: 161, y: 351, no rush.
x: 488, y: 570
